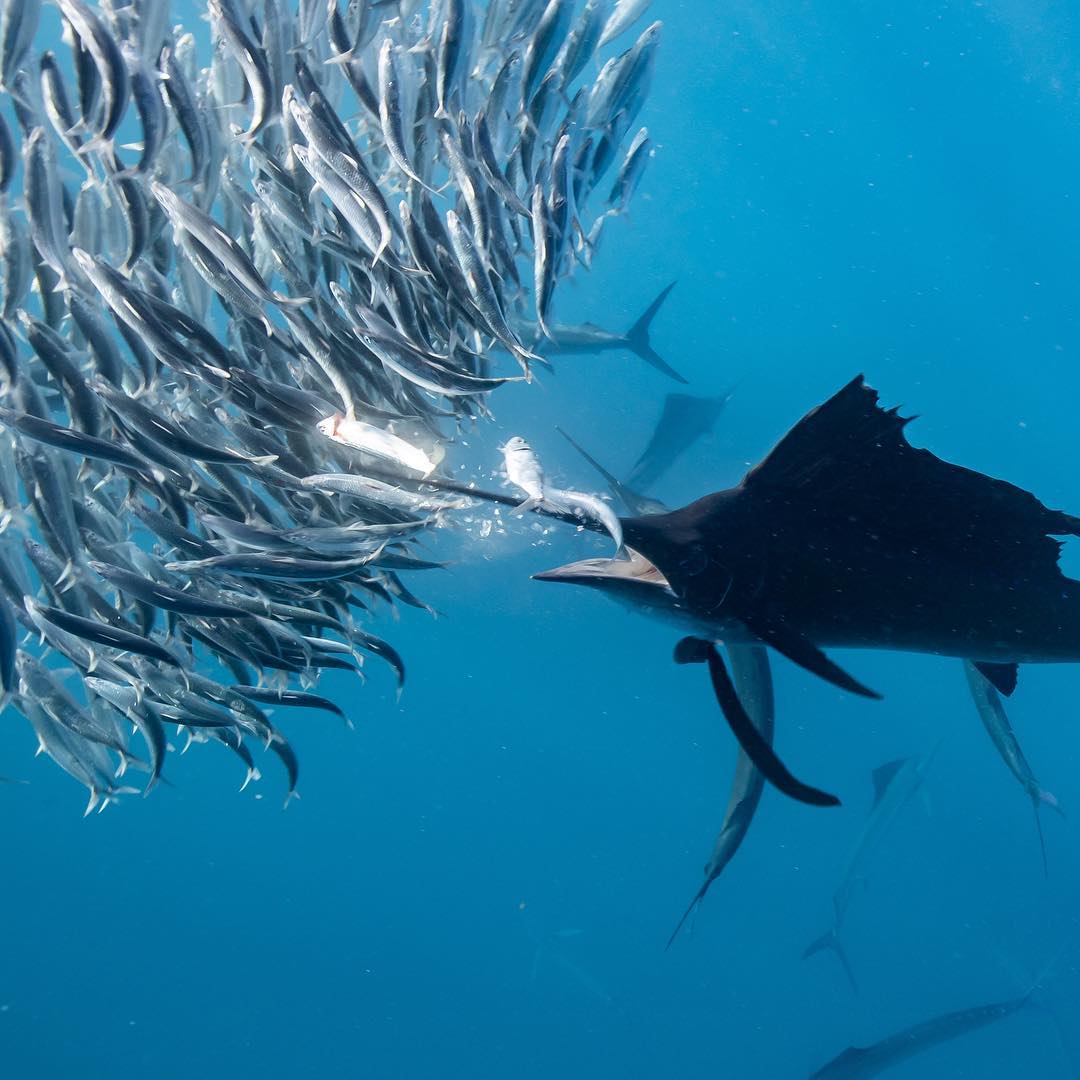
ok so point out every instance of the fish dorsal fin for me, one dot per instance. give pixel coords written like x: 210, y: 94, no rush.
x: 883, y: 775
x: 851, y: 1055
x: 849, y: 461
x: 849, y: 422
x: 1002, y: 677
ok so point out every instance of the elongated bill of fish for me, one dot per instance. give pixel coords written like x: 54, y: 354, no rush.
x: 255, y: 289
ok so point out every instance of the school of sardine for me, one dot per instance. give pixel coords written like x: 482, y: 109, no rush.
x: 254, y: 282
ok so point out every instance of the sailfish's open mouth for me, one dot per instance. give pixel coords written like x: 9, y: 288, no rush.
x: 635, y: 570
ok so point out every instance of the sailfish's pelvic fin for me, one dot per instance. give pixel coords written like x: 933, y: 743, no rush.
x: 692, y: 650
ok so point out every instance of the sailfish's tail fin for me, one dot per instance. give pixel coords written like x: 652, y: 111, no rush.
x: 637, y: 338
x: 830, y: 942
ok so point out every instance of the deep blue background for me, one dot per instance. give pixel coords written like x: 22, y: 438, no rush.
x: 838, y: 188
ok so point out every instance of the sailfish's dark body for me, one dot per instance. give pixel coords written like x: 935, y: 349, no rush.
x: 846, y: 535
x: 849, y: 536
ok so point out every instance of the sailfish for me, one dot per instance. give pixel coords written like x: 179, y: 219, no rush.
x: 847, y: 536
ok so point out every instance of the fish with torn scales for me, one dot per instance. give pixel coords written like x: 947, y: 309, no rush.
x: 524, y: 471
x: 377, y: 441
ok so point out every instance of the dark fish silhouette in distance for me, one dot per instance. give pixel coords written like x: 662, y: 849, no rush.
x: 847, y: 536
x: 862, y: 1062
x: 895, y: 783
x: 587, y: 339
x: 684, y: 419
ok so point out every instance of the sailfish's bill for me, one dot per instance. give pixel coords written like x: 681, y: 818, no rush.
x: 633, y: 577
x: 846, y: 535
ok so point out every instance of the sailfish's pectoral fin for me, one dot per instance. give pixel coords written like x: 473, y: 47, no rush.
x: 802, y: 651
x: 691, y: 650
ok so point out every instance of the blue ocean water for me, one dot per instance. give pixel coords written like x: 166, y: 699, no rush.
x: 479, y: 880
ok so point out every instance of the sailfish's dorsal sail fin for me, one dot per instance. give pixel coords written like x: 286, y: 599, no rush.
x: 849, y: 460
x: 828, y: 437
